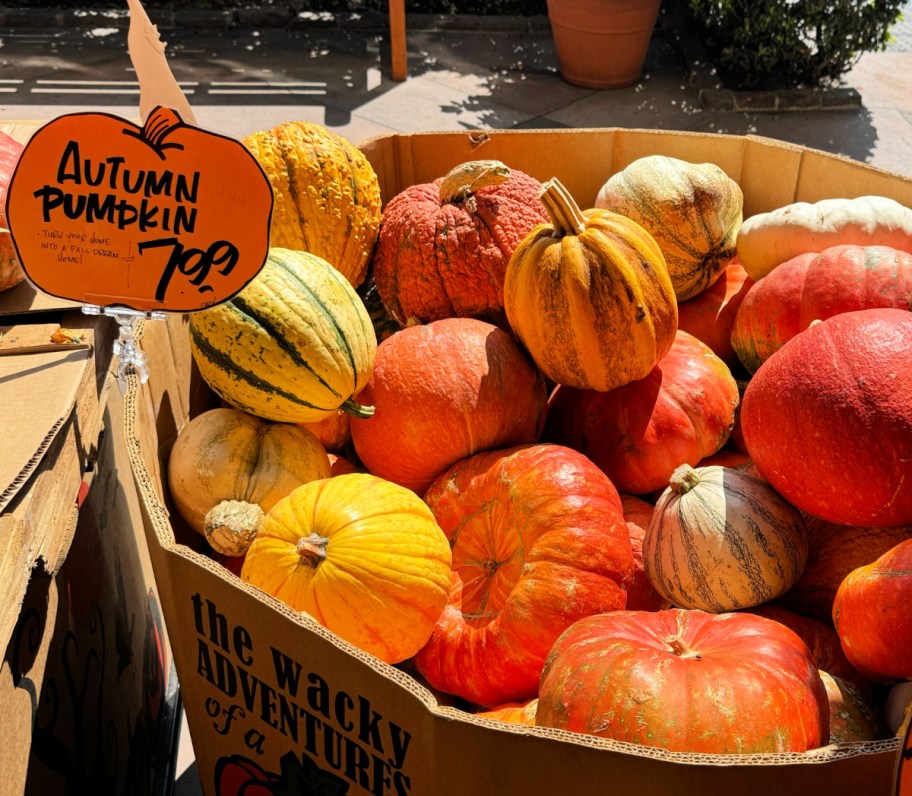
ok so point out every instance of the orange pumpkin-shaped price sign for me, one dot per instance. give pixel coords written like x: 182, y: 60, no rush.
x: 165, y: 216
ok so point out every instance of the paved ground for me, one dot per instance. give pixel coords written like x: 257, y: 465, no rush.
x: 242, y: 81
x: 239, y: 81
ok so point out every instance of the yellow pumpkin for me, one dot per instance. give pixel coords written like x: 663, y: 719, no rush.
x: 227, y: 468
x: 363, y: 556
x: 693, y: 210
x: 589, y: 296
x: 327, y: 196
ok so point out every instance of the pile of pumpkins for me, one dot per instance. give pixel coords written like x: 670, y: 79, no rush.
x: 642, y: 470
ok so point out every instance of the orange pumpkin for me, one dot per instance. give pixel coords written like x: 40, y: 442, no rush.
x: 513, y: 713
x: 334, y: 432
x: 228, y: 468
x: 363, y: 556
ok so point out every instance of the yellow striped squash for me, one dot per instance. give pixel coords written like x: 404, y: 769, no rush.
x: 293, y: 346
x: 327, y: 195
x: 589, y: 296
x: 720, y: 539
x: 693, y: 210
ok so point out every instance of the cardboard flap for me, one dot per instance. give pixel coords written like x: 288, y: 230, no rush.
x: 25, y: 299
x: 37, y: 394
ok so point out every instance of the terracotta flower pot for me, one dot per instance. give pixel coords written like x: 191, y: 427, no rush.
x: 602, y: 43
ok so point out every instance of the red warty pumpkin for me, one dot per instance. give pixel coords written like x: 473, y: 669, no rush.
x: 686, y: 681
x: 813, y: 287
x: 638, y: 434
x: 828, y: 418
x: 444, y: 246
x: 539, y: 541
x: 442, y: 392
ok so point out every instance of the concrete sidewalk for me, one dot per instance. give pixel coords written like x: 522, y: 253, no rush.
x: 486, y: 73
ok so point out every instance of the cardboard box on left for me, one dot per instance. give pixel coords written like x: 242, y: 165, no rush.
x: 88, y: 701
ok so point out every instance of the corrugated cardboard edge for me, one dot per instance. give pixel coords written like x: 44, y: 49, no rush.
x: 771, y: 173
x: 473, y: 755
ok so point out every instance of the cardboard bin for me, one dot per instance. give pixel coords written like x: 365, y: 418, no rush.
x: 88, y: 702
x: 271, y: 696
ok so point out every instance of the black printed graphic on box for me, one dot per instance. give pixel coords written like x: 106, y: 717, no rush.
x: 341, y: 731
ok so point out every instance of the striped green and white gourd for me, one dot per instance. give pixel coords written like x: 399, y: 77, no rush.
x: 693, y: 210
x: 293, y: 346
x: 720, y: 540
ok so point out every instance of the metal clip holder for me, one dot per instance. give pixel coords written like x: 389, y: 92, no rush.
x: 129, y: 357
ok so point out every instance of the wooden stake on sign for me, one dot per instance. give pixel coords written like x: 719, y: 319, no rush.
x: 157, y: 85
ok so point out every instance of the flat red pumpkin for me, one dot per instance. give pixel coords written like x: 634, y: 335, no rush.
x: 683, y: 411
x: 539, y: 541
x: 686, y: 681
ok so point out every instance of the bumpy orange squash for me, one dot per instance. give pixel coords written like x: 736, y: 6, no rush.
x: 589, y: 296
x: 327, y: 196
x: 363, y: 556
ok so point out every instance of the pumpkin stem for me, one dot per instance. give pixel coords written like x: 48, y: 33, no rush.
x: 232, y: 525
x: 681, y: 649
x: 566, y: 216
x: 312, y: 549
x: 683, y: 479
x: 357, y: 410
x: 461, y: 182
x: 159, y: 124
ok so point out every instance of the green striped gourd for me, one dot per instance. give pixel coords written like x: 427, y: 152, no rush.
x: 693, y: 210
x: 293, y: 346
x: 720, y: 540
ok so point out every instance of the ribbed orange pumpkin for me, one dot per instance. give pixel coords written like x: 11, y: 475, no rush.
x: 444, y: 246
x: 813, y: 287
x: 11, y: 273
x: 514, y: 713
x: 442, y: 392
x: 364, y: 557
x: 228, y: 468
x: 641, y: 594
x: 589, y: 296
x: 693, y: 210
x: 710, y: 315
x: 681, y: 412
x: 334, y: 432
x: 327, y: 196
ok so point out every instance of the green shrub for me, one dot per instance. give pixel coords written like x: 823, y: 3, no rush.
x: 769, y: 44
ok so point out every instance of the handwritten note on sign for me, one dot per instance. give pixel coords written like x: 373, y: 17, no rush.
x: 160, y: 217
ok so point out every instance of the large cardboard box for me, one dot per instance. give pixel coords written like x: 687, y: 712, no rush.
x: 271, y: 696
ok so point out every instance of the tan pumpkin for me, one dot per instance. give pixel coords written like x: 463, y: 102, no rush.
x: 363, y: 556
x: 693, y: 210
x: 720, y: 540
x: 227, y: 468
x: 589, y: 296
x: 327, y: 196
x: 767, y: 240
